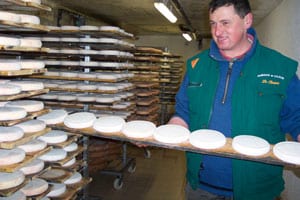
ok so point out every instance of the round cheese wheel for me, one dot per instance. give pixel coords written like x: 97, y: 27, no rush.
x: 33, y: 145
x: 171, y: 133
x: 51, y: 73
x: 8, y: 134
x: 12, y: 113
x: 32, y: 64
x: 31, y: 19
x: 109, y: 40
x: 108, y: 87
x: 109, y: 28
x: 54, y: 174
x: 28, y: 105
x: 87, y: 75
x: 288, y: 151
x: 80, y: 120
x: 86, y: 98
x: 48, y: 96
x: 75, y: 178
x: 68, y: 86
x: 82, y: 86
x: 30, y: 42
x: 54, y: 155
x: 89, y: 40
x: 54, y: 137
x: 69, y: 51
x: 11, y: 156
x: 35, y: 187
x: 109, y: 52
x: 32, y: 1
x: 207, y: 139
x: 57, y: 189
x: 69, y: 39
x: 11, y: 179
x: 109, y: 124
x: 9, y: 16
x: 9, y: 41
x: 53, y: 117
x: 71, y: 147
x: 88, y: 52
x: 69, y: 163
x: 109, y: 64
x: 68, y: 74
x: 88, y: 64
x: 66, y: 97
x: 32, y: 126
x: 69, y: 28
x: 138, y: 129
x: 8, y: 89
x: 9, y: 65
x: 33, y: 167
x: 105, y: 98
x: 15, y: 196
x: 250, y: 145
x: 28, y: 85
x: 52, y: 62
x: 89, y: 28
x: 50, y: 39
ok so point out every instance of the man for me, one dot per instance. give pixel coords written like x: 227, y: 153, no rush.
x: 237, y: 87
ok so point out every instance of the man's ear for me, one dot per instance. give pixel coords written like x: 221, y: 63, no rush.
x: 248, y: 20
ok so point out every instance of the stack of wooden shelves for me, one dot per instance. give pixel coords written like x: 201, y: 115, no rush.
x: 158, y: 74
x: 10, y: 75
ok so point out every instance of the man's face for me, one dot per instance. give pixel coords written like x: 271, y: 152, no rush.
x: 228, y: 30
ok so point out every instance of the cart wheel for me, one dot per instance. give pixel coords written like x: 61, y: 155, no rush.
x: 147, y: 153
x: 118, y: 183
x: 132, y: 168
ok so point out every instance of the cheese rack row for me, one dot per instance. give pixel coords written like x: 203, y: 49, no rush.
x: 166, y: 71
x: 9, y: 28
x: 89, y: 60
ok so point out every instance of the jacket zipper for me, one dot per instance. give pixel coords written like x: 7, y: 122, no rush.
x: 228, y: 75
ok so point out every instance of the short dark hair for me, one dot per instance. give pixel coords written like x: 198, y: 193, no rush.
x: 241, y: 7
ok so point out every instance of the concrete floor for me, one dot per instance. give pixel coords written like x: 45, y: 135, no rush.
x: 160, y: 177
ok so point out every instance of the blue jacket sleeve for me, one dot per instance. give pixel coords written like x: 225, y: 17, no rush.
x: 290, y: 113
x: 182, y: 102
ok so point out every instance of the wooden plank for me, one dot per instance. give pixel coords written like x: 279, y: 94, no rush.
x: 225, y: 151
x: 23, y: 95
x: 22, y: 72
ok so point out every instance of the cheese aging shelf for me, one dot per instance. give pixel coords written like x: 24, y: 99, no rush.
x: 25, y: 151
x: 159, y: 72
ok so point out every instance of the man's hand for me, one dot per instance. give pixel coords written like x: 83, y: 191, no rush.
x: 178, y: 121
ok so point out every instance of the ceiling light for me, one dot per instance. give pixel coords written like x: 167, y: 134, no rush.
x: 187, y: 36
x: 165, y: 10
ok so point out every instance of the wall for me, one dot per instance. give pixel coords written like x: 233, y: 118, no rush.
x: 279, y: 31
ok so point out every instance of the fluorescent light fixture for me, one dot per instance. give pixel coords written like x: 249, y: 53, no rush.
x: 187, y: 36
x: 165, y: 11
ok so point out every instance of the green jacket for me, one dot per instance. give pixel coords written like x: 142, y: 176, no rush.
x: 257, y: 98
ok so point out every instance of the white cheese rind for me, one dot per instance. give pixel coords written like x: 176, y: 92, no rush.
x: 109, y: 124
x: 11, y: 179
x: 138, y: 129
x: 171, y: 133
x: 80, y: 120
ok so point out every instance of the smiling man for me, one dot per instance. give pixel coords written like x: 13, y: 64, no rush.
x: 237, y: 87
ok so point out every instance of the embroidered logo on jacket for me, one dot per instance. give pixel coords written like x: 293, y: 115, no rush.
x: 270, y: 79
x: 194, y: 62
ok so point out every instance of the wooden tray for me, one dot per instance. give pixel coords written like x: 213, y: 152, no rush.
x: 23, y: 95
x: 225, y: 151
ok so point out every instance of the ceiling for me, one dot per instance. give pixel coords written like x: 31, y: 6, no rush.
x: 141, y: 18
